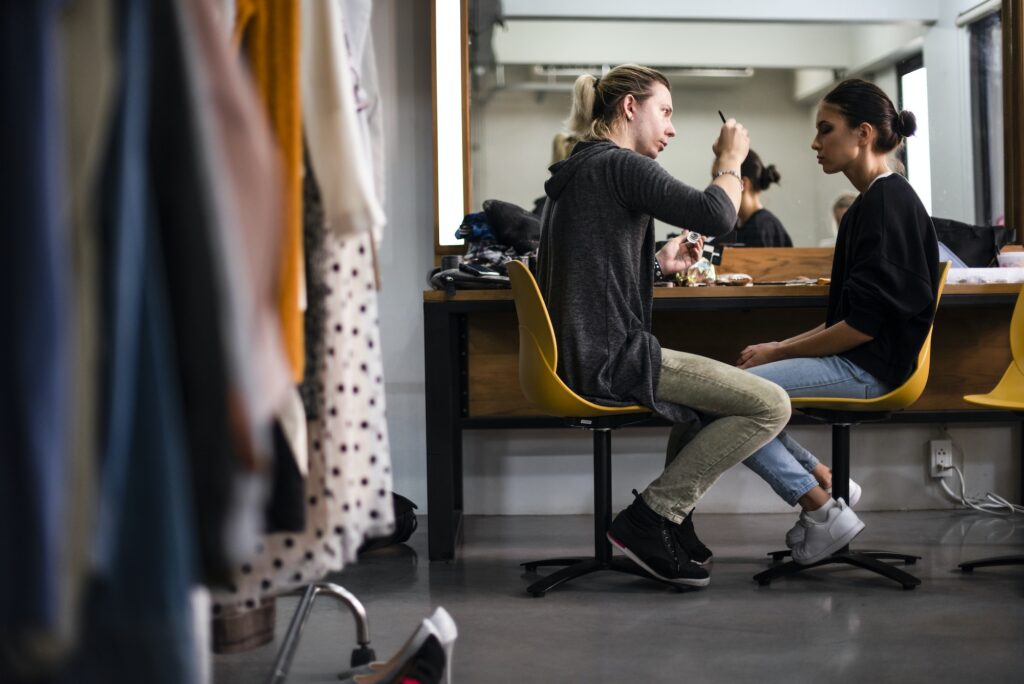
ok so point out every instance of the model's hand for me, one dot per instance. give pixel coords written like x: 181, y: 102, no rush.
x: 759, y: 354
x: 677, y: 255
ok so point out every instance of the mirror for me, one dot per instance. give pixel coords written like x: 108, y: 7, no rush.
x: 765, y: 64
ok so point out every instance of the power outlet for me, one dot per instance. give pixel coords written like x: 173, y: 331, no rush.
x: 941, y: 458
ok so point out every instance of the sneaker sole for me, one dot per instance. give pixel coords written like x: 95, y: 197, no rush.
x: 679, y: 580
x: 703, y: 562
x: 834, y: 546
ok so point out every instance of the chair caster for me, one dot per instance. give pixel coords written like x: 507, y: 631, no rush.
x: 362, y: 656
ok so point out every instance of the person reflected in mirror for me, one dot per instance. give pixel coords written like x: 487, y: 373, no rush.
x: 596, y: 270
x: 885, y: 275
x: 757, y: 227
x: 839, y: 208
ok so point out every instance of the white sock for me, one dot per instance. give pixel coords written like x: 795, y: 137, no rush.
x: 821, y: 515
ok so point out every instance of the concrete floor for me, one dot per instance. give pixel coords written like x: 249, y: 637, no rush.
x: 835, y: 625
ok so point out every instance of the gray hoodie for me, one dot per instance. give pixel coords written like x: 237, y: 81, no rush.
x: 596, y: 267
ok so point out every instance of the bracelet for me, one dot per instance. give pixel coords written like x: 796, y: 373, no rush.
x: 658, y: 275
x: 730, y: 172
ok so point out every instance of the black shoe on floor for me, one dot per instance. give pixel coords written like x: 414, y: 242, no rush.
x: 650, y: 541
x: 693, y: 546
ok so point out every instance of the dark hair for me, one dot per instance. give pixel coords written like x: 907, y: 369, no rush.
x: 755, y: 170
x: 595, y: 101
x: 862, y: 102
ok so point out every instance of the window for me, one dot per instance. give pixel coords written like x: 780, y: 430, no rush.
x: 986, y: 41
x: 915, y: 155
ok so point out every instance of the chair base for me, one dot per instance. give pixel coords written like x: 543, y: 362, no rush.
x: 866, y: 560
x: 992, y: 562
x: 580, y: 566
x: 872, y: 553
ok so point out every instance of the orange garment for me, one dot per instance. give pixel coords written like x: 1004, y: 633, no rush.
x: 268, y: 33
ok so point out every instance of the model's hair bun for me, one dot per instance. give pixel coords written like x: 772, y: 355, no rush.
x: 906, y: 124
x: 768, y: 176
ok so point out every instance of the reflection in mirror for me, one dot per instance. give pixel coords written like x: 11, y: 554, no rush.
x: 987, y: 101
x: 765, y: 68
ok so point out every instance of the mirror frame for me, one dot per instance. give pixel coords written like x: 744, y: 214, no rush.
x: 1013, y: 116
x: 1013, y: 113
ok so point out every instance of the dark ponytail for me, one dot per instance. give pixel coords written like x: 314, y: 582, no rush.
x: 760, y: 176
x: 860, y: 102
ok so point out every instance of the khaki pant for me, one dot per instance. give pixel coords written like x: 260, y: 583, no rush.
x: 748, y: 412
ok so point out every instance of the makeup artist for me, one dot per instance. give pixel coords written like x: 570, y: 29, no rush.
x: 596, y: 269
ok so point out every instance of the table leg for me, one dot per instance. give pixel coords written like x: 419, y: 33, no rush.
x: 445, y: 353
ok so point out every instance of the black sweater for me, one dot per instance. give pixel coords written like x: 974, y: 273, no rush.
x: 885, y: 276
x: 761, y: 229
x: 596, y: 267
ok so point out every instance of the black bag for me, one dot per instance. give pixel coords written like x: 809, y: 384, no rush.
x: 453, y: 279
x: 405, y: 525
x: 977, y: 246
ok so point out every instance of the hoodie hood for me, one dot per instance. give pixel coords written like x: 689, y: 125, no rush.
x: 564, y: 171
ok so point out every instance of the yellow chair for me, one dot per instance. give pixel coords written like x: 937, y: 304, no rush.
x: 1009, y: 396
x: 841, y: 414
x: 538, y: 361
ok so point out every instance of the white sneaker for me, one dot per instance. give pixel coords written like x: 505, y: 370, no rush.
x: 795, y: 535
x: 854, y: 493
x: 824, y: 538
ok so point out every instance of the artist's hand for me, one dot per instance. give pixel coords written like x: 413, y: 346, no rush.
x: 759, y: 354
x: 677, y: 254
x: 731, y: 145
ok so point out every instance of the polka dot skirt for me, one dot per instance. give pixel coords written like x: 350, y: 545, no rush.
x: 348, y: 489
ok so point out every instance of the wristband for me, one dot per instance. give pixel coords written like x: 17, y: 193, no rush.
x: 658, y: 275
x: 732, y: 173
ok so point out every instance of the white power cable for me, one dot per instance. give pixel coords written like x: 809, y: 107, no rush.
x: 992, y: 504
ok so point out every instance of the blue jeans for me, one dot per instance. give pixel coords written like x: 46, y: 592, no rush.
x: 783, y: 463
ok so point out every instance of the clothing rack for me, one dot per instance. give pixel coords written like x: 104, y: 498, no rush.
x: 361, y: 655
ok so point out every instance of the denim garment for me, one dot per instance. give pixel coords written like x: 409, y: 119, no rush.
x: 137, y: 623
x: 783, y: 463
x: 34, y: 368
x: 745, y: 412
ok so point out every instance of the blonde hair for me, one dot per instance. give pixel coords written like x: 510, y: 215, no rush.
x: 561, y: 146
x: 844, y: 201
x: 596, y: 101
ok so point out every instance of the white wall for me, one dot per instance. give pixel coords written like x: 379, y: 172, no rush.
x: 401, y: 33
x: 548, y: 471
x: 513, y: 132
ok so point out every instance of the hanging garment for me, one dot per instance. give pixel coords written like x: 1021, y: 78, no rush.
x: 245, y: 182
x: 242, y: 157
x: 137, y: 623
x: 89, y: 67
x: 200, y: 282
x: 268, y: 33
x: 336, y: 135
x: 34, y: 352
x: 353, y: 423
x: 348, y: 488
x: 358, y: 28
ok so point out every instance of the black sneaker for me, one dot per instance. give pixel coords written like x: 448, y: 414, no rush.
x: 687, y: 537
x: 650, y: 541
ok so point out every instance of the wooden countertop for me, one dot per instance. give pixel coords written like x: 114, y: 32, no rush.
x: 726, y: 292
